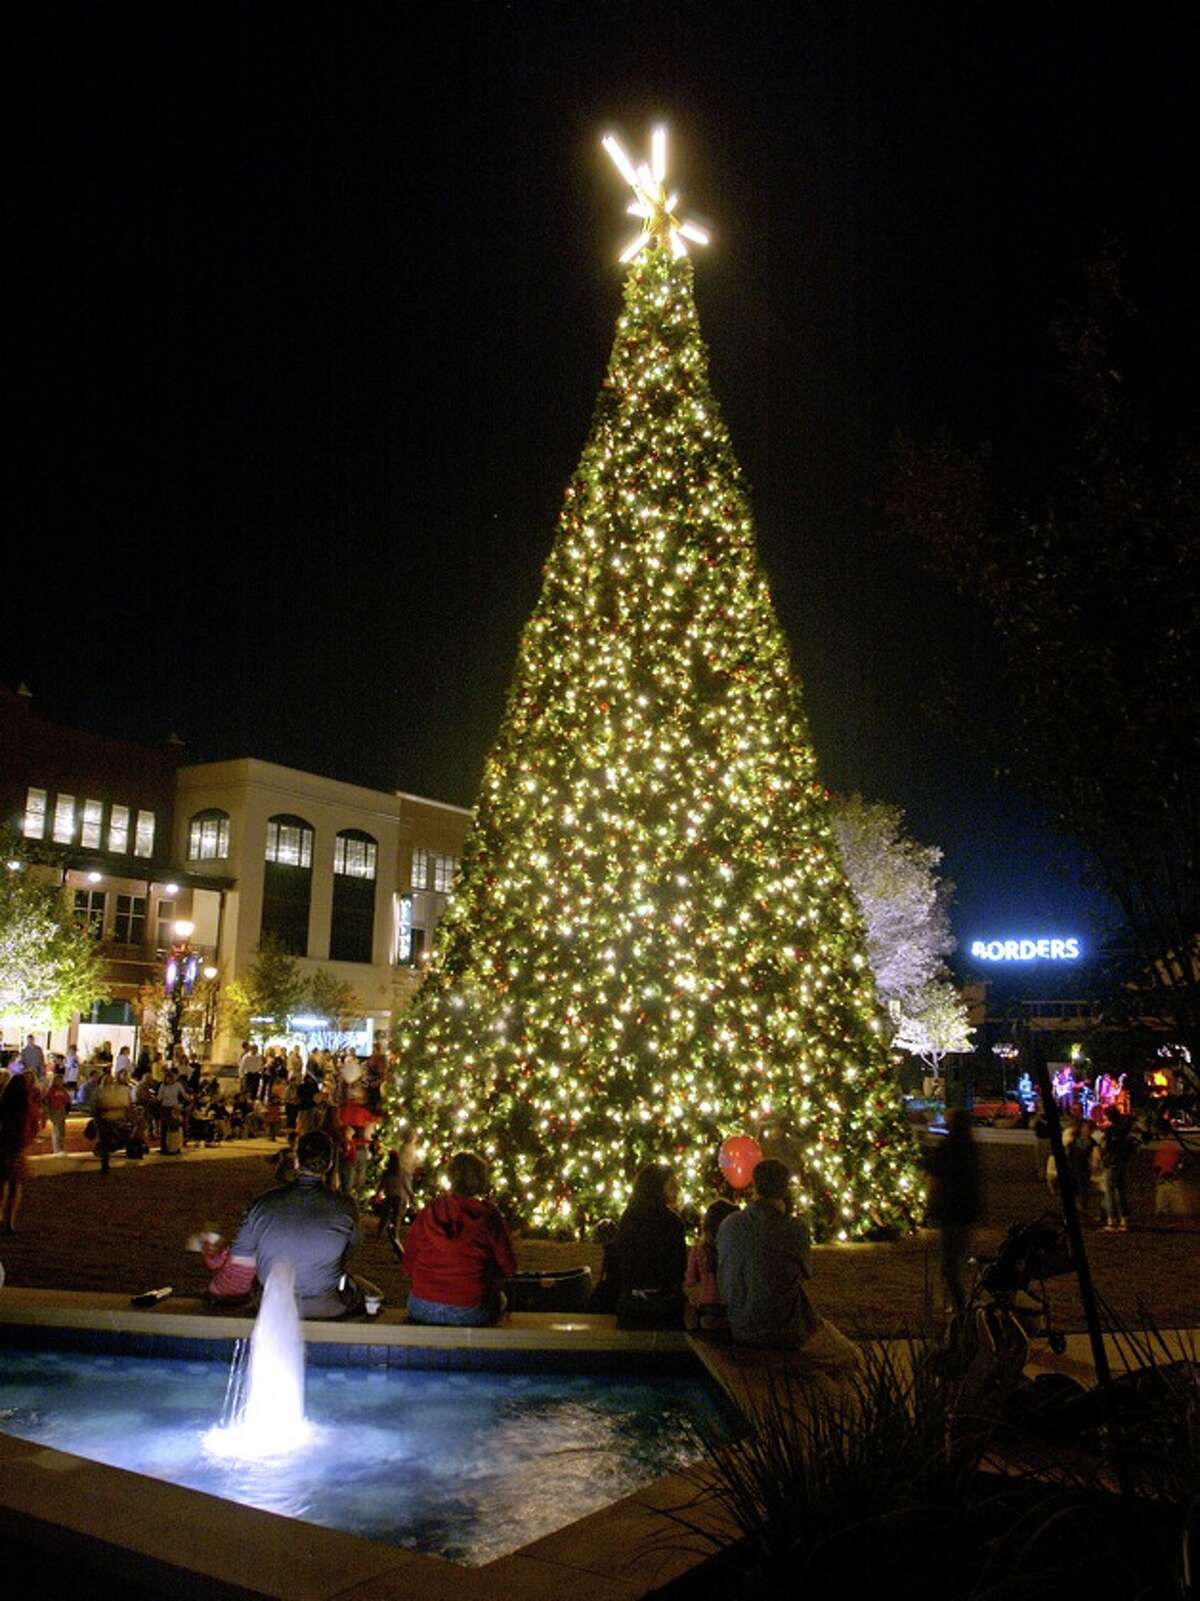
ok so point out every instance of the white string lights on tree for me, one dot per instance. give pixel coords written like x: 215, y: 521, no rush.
x: 651, y: 201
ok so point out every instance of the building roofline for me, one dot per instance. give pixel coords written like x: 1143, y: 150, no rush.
x: 257, y: 766
x: 427, y: 800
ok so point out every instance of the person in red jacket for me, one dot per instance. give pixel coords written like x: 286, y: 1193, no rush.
x: 458, y: 1252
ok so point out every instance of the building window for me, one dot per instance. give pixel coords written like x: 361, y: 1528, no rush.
x: 287, y: 883
x: 352, y: 927
x: 289, y: 842
x: 89, y: 910
x: 143, y: 840
x: 164, y: 932
x: 64, y: 819
x: 433, y: 870
x: 34, y: 826
x: 129, y: 924
x: 354, y: 855
x: 92, y: 824
x: 208, y: 836
x: 118, y: 829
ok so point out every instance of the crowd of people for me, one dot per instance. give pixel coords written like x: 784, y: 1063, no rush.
x: 279, y: 1094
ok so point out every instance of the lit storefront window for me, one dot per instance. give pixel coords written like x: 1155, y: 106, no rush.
x: 118, y: 830
x: 34, y: 826
x: 64, y: 819
x: 143, y: 841
x: 91, y: 828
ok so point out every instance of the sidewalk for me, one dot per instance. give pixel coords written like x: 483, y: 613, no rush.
x: 80, y: 1154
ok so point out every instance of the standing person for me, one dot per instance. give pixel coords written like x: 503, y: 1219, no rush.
x: 955, y: 1200
x: 458, y: 1252
x: 20, y: 1114
x: 1079, y: 1158
x: 173, y: 1102
x: 71, y: 1071
x: 123, y: 1063
x: 648, y: 1255
x: 307, y: 1093
x: 355, y: 1119
x: 250, y: 1070
x: 33, y: 1058
x: 763, y: 1261
x: 1113, y: 1157
x: 110, y: 1108
x: 374, y: 1073
x: 145, y: 1097
x: 58, y: 1099
x: 398, y: 1187
x: 274, y: 1095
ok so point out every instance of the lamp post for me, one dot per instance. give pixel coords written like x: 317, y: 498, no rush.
x: 210, y: 1009
x: 179, y: 980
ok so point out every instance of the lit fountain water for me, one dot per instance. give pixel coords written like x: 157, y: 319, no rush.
x: 264, y: 1411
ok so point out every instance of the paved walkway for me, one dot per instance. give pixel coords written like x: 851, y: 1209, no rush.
x: 81, y: 1154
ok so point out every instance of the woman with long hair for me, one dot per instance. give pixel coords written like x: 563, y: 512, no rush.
x: 648, y: 1255
x: 20, y: 1114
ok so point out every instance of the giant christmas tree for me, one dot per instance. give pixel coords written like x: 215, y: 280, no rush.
x: 650, y: 943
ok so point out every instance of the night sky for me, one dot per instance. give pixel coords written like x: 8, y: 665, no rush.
x: 319, y: 298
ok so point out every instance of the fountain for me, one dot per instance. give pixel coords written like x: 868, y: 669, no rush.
x: 265, y: 1402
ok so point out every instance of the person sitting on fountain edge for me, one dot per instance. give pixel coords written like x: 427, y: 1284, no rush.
x: 762, y: 1263
x: 306, y: 1225
x: 458, y: 1252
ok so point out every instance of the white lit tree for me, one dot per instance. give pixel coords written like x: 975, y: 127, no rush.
x: 904, y: 904
x: 651, y: 944
x: 936, y: 1024
x: 49, y: 966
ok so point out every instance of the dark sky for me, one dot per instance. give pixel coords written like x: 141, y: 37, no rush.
x: 319, y: 299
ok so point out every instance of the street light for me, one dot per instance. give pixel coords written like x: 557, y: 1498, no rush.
x: 179, y: 980
x: 210, y: 1009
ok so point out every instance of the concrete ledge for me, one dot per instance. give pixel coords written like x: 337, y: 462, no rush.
x: 182, y: 1317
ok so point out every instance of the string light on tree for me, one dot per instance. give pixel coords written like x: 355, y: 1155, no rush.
x: 650, y: 945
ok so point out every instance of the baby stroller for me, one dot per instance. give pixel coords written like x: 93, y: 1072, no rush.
x: 1014, y: 1280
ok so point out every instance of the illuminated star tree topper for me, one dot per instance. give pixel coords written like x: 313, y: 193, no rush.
x: 651, y: 201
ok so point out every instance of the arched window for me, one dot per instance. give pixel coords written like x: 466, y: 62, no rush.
x: 287, y: 883
x: 208, y: 836
x: 352, y: 930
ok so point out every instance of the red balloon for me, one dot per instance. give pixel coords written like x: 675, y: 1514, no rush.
x: 739, y: 1156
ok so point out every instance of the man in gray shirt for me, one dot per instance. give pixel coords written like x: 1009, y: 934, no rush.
x: 33, y: 1058
x: 762, y: 1262
x: 307, y: 1226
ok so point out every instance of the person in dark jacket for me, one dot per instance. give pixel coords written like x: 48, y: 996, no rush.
x: 458, y: 1252
x: 955, y: 1200
x: 647, y: 1259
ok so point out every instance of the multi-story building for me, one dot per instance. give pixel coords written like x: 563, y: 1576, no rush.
x: 349, y: 879
x: 346, y: 878
x: 101, y: 813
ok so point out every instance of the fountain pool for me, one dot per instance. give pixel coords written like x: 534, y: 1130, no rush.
x: 464, y: 1465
